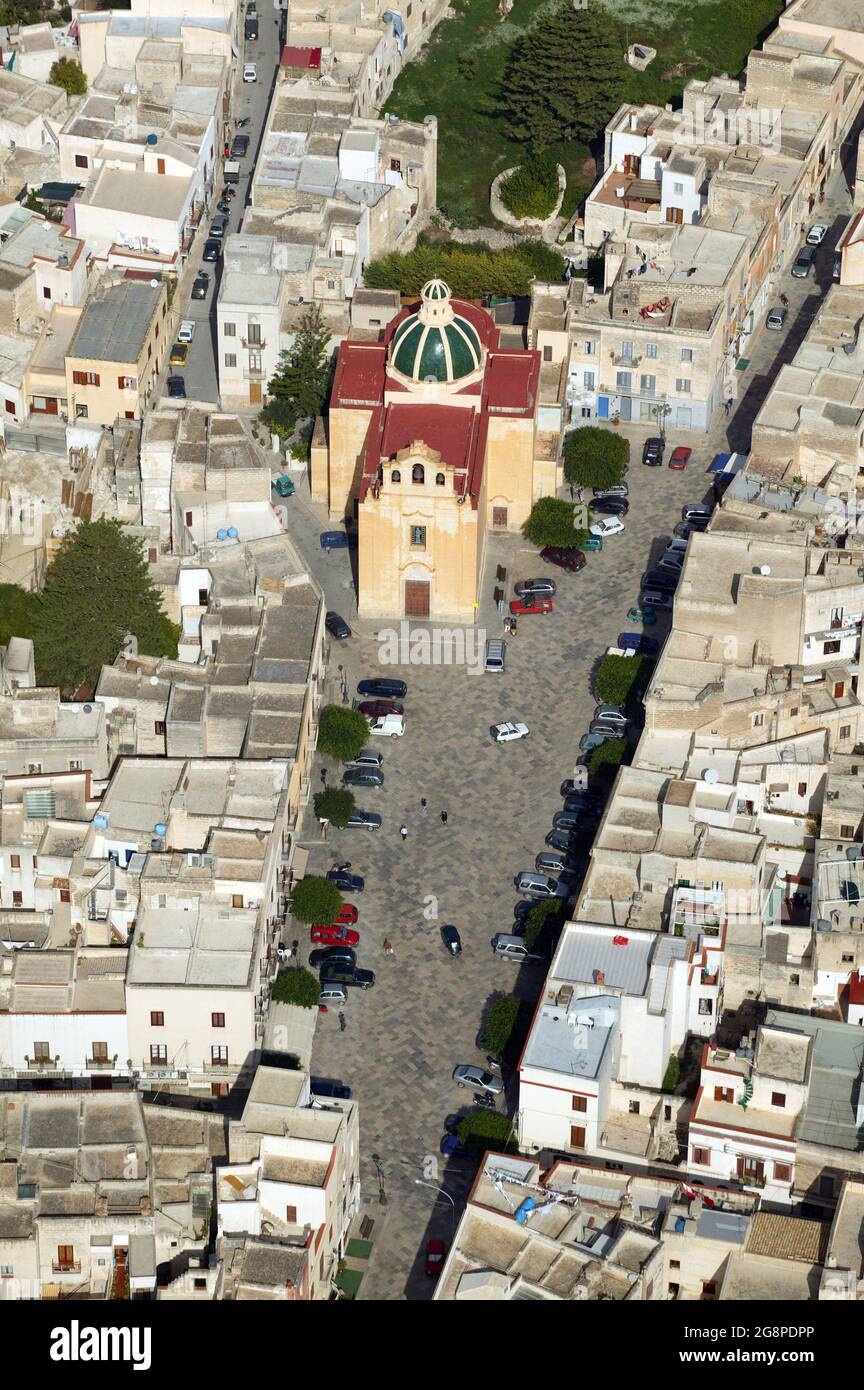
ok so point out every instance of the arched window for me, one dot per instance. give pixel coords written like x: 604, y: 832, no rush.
x: 395, y: 476
x: 418, y: 474
x: 439, y: 479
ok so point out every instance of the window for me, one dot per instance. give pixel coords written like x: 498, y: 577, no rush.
x: 202, y: 597
x: 396, y: 166
x: 627, y: 351
x: 802, y: 788
x: 65, y: 1256
x: 291, y: 1216
x: 845, y: 731
x: 622, y: 381
x: 160, y: 166
x: 74, y: 764
x: 749, y: 1167
x: 46, y: 291
x: 667, y: 1112
x: 99, y: 1051
x: 839, y: 687
x: 724, y: 1093
x: 230, y: 330
x: 758, y: 721
x: 686, y: 355
x: 219, y: 1056
x: 158, y: 1053
x: 188, y: 518
x: 41, y: 1052
x: 847, y: 832
x: 200, y: 1283
x: 706, y: 1007
x: 793, y: 711
x: 678, y: 188
x: 588, y: 380
x: 647, y: 385
x: 255, y: 364
x: 439, y: 480
x: 418, y: 474
x: 253, y: 334
x: 81, y: 161
x: 674, y: 1264
x: 778, y: 1098
x: 579, y: 1104
x: 590, y: 348
x: 783, y: 1172
x: 230, y: 359
x: 127, y: 383
x: 418, y: 537
x: 395, y: 476
x: 829, y: 648
x: 157, y: 1019
x: 15, y: 861
x: 547, y: 353
x: 702, y: 1157
x: 217, y: 1020
x: 17, y: 898
x: 846, y: 958
x: 237, y: 900
x: 159, y: 726
x: 682, y: 384
x: 709, y: 1289
x: 577, y: 1136
x: 633, y: 1107
x: 86, y: 378
x: 650, y: 349
x: 826, y: 1186
x: 81, y: 412
x: 499, y: 518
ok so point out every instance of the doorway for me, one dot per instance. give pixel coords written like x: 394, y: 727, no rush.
x: 417, y: 594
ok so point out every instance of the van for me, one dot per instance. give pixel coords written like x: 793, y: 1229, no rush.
x: 231, y: 171
x: 250, y: 28
x: 496, y: 652
x: 512, y: 948
x: 388, y: 725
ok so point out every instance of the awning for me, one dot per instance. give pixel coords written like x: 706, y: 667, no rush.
x: 727, y: 463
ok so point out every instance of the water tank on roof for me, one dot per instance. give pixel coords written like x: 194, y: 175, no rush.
x: 100, y: 820
x: 152, y: 139
x: 221, y: 534
x: 160, y: 828
x: 233, y: 533
x: 88, y: 709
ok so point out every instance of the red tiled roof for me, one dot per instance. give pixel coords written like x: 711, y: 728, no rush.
x: 300, y: 57
x: 448, y: 429
x: 359, y: 378
x: 510, y: 384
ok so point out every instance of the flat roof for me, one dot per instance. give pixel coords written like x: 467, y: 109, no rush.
x: 114, y: 324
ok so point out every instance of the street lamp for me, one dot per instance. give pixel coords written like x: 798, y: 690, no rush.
x: 382, y: 1195
x: 419, y: 1182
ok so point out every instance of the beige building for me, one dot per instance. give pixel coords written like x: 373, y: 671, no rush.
x: 433, y: 439
x: 116, y: 351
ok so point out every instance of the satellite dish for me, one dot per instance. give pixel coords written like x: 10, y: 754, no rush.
x: 765, y: 569
x: 154, y: 284
x: 711, y: 775
x: 88, y: 709
x: 154, y: 680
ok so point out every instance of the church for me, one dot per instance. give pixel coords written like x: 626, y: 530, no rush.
x: 431, y: 443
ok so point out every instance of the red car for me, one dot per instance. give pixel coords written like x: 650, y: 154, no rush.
x: 373, y: 709
x: 347, y: 916
x: 565, y: 557
x: 334, y: 936
x: 435, y: 1252
x: 680, y: 456
x: 533, y: 604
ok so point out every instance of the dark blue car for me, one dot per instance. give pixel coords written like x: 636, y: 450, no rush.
x: 638, y: 642
x: 383, y: 688
x: 335, y: 540
x: 347, y: 883
x: 451, y: 1148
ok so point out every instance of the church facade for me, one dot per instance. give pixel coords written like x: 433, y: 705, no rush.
x: 430, y: 445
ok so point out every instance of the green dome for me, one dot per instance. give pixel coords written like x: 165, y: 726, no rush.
x: 436, y: 344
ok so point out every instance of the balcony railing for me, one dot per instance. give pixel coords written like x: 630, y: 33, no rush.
x: 254, y: 374
x: 101, y: 1063
x: 42, y: 1064
x: 66, y: 1267
x: 257, y: 344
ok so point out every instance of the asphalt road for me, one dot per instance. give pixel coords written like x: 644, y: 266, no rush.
x: 252, y: 100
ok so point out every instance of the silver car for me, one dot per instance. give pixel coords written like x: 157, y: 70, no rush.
x: 535, y: 885
x: 478, y: 1078
x: 365, y: 759
x: 611, y: 714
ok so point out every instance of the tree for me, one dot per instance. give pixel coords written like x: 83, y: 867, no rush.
x: 532, y: 189
x: 16, y: 612
x: 565, y: 77
x: 594, y: 457
x: 553, y: 522
x: 616, y: 678
x: 316, y: 900
x: 607, y: 757
x: 500, y: 1022
x: 672, y: 1074
x: 297, y: 987
x: 303, y: 373
x: 342, y: 732
x: 279, y: 416
x: 544, y: 915
x: 335, y: 804
x: 66, y: 73
x: 472, y: 271
x: 97, y: 591
x: 483, y: 1130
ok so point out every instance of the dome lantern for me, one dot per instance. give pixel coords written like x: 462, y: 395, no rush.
x: 436, y: 344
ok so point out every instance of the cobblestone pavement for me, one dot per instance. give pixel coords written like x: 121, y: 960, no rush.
x: 404, y: 1037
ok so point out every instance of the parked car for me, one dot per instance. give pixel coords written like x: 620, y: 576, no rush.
x: 697, y: 510
x: 565, y: 557
x: 376, y: 709
x: 322, y: 1086
x: 345, y: 881
x: 239, y: 146
x: 340, y: 973
x: 587, y: 810
x: 334, y: 936
x: 218, y: 226
x: 335, y: 540
x: 551, y: 861
x: 436, y: 1250
x: 452, y: 940
x: 661, y: 580
x: 652, y: 451
x: 679, y: 457
x: 609, y: 506
x: 651, y: 598
x: 176, y: 387
x: 539, y: 885
x: 600, y: 726
x: 334, y: 953
x: 571, y: 821
x: 337, y: 627
x: 179, y: 353
x: 363, y: 820
x: 450, y: 1148
x: 817, y: 234
x: 616, y: 490
x: 250, y: 72
x: 362, y: 777
x: 646, y: 616
x: 612, y: 714
x: 608, y: 526
x: 638, y: 642
x: 365, y: 759
x: 563, y: 840
x: 593, y: 543
x: 509, y: 731
x: 588, y: 742
x: 685, y: 529
x: 837, y: 267
x: 528, y: 588
x: 383, y: 687
x: 186, y: 331
x: 200, y: 285
x: 531, y: 603
x: 671, y: 562
x: 387, y: 726
x: 803, y: 263
x: 331, y: 995
x: 224, y: 206
x: 478, y: 1078
x: 346, y: 917
x: 283, y: 486
x: 212, y: 250
x: 508, y: 946
x: 776, y: 319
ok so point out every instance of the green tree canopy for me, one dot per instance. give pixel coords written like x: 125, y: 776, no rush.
x: 342, y: 732
x: 483, y: 1129
x: 552, y: 522
x: 66, y: 73
x: 334, y: 804
x: 302, y: 376
x: 500, y: 1022
x: 607, y: 757
x: 17, y: 607
x: 532, y: 188
x: 672, y: 1074
x: 97, y: 590
x: 297, y: 987
x: 316, y: 900
x: 616, y: 678
x: 472, y: 271
x: 548, y: 915
x: 565, y: 77
x: 594, y: 457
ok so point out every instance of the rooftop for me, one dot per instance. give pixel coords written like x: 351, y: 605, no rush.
x: 115, y: 322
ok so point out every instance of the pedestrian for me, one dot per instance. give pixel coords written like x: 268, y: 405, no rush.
x: 403, y: 831
x: 388, y: 949
x: 423, y: 803
x: 341, y: 1022
x: 326, y: 550
x: 443, y: 817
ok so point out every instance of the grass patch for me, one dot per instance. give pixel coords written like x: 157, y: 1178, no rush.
x: 458, y: 76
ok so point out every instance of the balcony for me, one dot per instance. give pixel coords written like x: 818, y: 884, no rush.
x: 621, y: 361
x: 254, y: 374
x: 42, y: 1063
x: 101, y: 1063
x: 66, y: 1267
x: 256, y: 344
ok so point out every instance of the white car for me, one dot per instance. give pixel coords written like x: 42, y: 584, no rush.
x: 186, y: 331
x: 817, y: 234
x: 607, y: 526
x: 508, y: 731
x: 250, y: 72
x: 388, y: 725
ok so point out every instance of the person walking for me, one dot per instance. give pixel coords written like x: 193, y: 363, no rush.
x: 403, y: 831
x: 341, y: 1022
x: 443, y: 817
x: 423, y: 803
x: 389, y: 950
